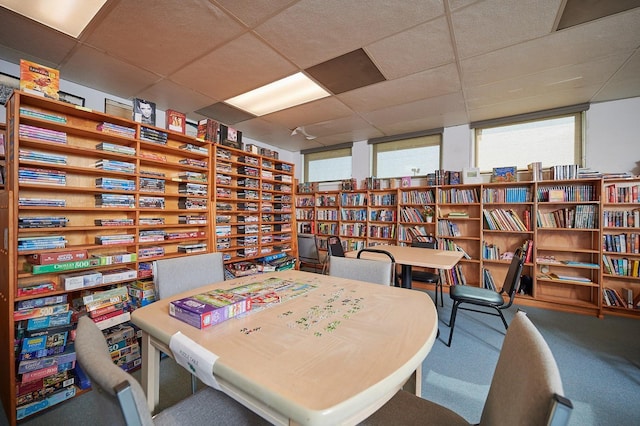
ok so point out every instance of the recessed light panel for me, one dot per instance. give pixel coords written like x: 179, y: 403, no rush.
x: 67, y: 16
x: 294, y: 90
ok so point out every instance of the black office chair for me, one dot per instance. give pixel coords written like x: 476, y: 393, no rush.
x: 426, y: 276
x: 334, y: 248
x: 464, y: 294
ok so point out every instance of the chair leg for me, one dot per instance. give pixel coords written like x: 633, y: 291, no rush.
x: 439, y: 284
x: 452, y: 321
x: 194, y: 383
x: 504, y: 321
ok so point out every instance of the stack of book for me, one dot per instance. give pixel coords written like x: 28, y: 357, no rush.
x: 39, y: 133
x: 116, y: 129
x: 152, y: 135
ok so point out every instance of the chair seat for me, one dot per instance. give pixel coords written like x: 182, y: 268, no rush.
x: 407, y: 409
x: 470, y: 294
x: 425, y: 277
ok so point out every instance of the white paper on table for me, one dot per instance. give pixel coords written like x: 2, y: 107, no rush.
x: 196, y: 359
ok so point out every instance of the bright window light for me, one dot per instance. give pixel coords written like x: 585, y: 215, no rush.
x: 290, y: 91
x: 67, y: 16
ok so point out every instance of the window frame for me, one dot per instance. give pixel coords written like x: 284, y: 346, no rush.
x: 323, y: 154
x: 410, y: 140
x: 576, y: 111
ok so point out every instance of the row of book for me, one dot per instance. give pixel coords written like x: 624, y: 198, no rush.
x: 621, y: 218
x: 458, y: 196
x: 28, y: 112
x: 39, y: 133
x: 507, y: 220
x: 621, y: 299
x: 417, y: 197
x: 621, y: 266
x: 42, y: 176
x: 582, y: 216
x: 622, y: 243
x: 345, y: 214
x: 507, y: 195
x: 41, y: 157
x: 585, y: 192
x: 628, y: 193
x: 42, y: 222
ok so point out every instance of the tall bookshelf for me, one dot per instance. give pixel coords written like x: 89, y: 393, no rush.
x: 620, y: 245
x: 108, y: 186
x: 564, y: 238
x: 252, y: 205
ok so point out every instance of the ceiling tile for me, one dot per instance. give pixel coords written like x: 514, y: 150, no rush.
x: 625, y: 83
x: 224, y: 113
x: 168, y: 95
x: 101, y: 71
x: 43, y: 44
x: 312, y: 112
x: 346, y: 72
x: 476, y: 31
x: 572, y: 46
x: 239, y: 66
x: 254, y: 11
x: 431, y: 83
x: 303, y: 35
x: 162, y: 35
x: 578, y: 12
x: 419, y: 48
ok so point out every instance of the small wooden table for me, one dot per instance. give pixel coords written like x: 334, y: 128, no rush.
x: 408, y: 256
x: 333, y: 355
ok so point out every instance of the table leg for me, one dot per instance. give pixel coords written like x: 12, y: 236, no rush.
x: 405, y: 278
x: 150, y: 372
x: 414, y: 384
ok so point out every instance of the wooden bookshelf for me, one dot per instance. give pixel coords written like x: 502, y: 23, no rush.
x: 523, y: 216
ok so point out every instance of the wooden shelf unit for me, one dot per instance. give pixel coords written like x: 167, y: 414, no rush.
x: 567, y: 250
x: 163, y: 189
x: 252, y: 205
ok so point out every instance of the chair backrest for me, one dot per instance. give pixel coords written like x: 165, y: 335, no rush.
x: 308, y: 248
x: 512, y: 279
x: 179, y: 274
x: 94, y: 358
x: 373, y: 271
x: 334, y: 246
x: 525, y: 380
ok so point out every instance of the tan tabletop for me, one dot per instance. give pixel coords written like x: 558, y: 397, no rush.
x: 331, y: 356
x: 408, y: 256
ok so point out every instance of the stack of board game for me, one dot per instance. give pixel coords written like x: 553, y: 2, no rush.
x: 45, y: 356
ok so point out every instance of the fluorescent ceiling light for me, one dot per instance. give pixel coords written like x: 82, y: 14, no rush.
x: 67, y: 16
x: 290, y: 91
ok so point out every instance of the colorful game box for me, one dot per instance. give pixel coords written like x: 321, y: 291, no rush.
x: 207, y: 309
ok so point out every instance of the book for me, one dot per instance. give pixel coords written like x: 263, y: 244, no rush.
x: 504, y: 174
x: 144, y: 111
x: 176, y: 121
x: 38, y: 79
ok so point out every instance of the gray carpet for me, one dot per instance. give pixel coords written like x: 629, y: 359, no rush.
x: 599, y: 360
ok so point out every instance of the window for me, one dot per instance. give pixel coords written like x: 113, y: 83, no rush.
x: 407, y: 157
x: 553, y: 141
x: 329, y: 165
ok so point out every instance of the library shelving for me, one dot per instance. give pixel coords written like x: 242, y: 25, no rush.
x: 459, y: 225
x: 570, y: 231
x: 621, y: 245
x: 353, y: 219
x: 252, y: 205
x: 3, y: 135
x: 507, y: 210
x: 327, y: 214
x: 412, y: 218
x: 382, y: 216
x: 567, y: 243
x: 305, y: 213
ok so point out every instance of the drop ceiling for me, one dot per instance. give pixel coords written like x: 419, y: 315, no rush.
x: 440, y: 63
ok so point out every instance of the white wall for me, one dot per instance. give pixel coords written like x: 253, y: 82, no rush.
x: 613, y: 136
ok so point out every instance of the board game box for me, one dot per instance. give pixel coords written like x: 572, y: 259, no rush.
x: 207, y: 309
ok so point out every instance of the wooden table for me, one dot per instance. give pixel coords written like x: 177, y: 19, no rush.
x: 408, y: 256
x: 331, y: 356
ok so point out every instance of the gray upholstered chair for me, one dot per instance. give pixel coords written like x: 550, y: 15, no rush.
x: 178, y: 274
x: 308, y: 253
x: 373, y: 271
x: 523, y: 391
x: 122, y: 400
